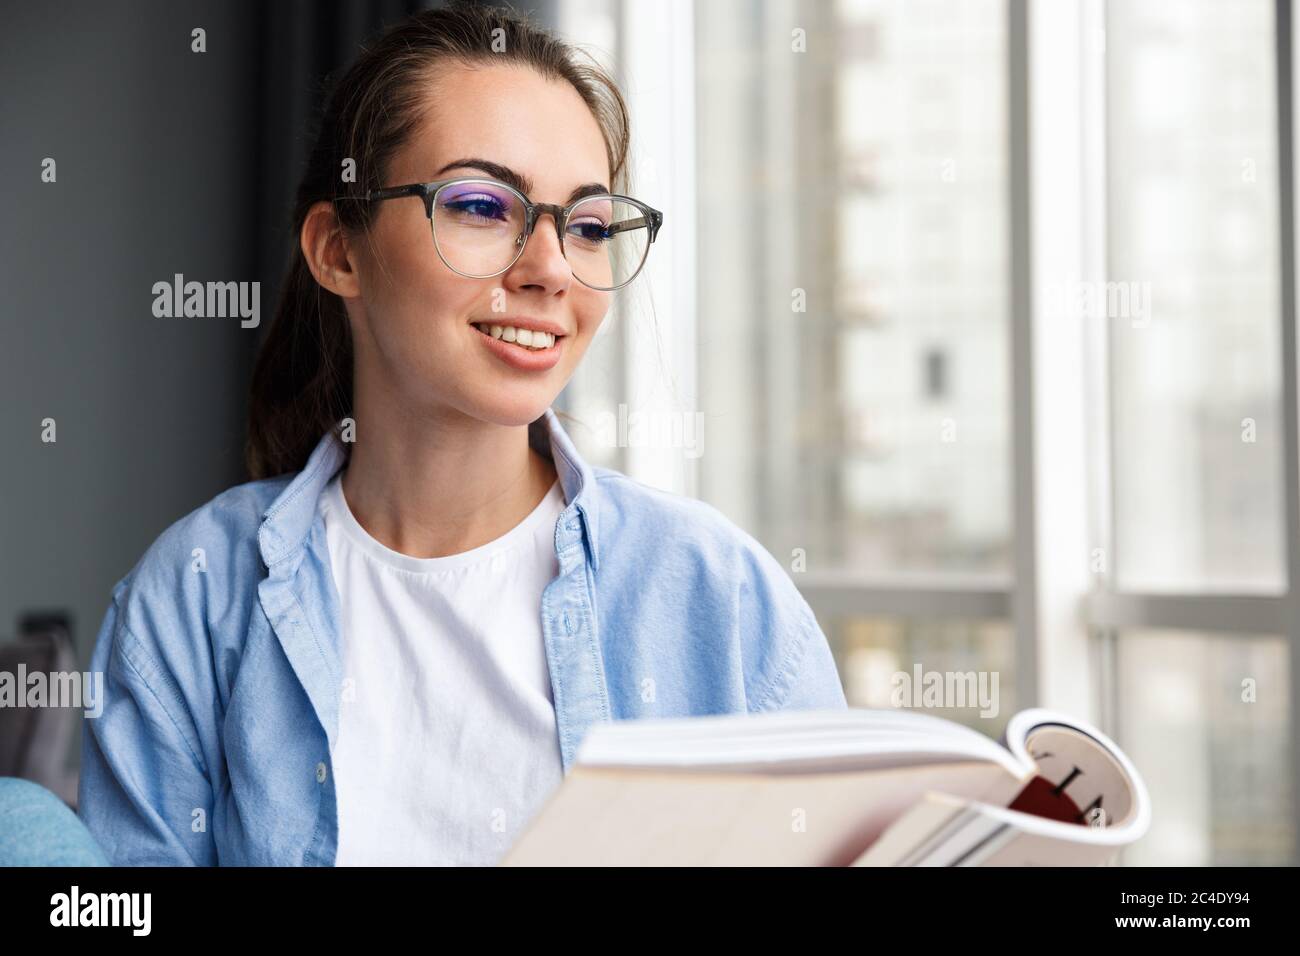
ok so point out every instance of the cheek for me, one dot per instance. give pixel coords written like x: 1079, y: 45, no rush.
x: 395, y: 272
x: 413, y: 269
x: 410, y: 293
x: 590, y: 308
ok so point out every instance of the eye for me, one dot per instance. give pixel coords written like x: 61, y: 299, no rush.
x: 469, y: 208
x: 590, y: 230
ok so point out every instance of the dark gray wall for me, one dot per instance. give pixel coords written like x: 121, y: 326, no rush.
x: 154, y: 147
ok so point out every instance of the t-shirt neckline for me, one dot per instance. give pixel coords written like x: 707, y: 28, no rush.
x: 335, y: 501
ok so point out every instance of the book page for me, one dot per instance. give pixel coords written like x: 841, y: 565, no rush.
x: 949, y: 831
x: 1079, y: 769
x: 611, y: 817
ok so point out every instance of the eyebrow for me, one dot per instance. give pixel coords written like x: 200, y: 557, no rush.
x: 518, y: 180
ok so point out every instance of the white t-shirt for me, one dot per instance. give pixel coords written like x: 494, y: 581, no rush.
x: 447, y: 742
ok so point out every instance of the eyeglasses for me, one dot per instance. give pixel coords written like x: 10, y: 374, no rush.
x: 480, y: 228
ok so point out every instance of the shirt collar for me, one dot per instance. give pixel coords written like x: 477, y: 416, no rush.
x: 288, y: 519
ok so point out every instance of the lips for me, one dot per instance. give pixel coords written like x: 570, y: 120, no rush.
x: 521, y: 357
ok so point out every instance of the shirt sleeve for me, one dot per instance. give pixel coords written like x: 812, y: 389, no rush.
x: 144, y: 792
x: 813, y: 682
x: 794, y: 658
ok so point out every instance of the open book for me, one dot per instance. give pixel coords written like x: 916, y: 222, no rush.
x: 839, y: 787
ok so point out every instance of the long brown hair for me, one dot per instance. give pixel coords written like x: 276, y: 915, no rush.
x: 302, y: 381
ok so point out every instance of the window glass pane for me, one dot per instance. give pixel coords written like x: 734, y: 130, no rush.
x: 853, y: 279
x: 887, y: 662
x: 591, y: 399
x: 1204, y: 719
x: 1193, y: 240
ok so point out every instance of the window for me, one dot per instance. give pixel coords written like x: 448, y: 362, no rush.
x: 885, y: 662
x: 1204, y: 717
x: 854, y: 280
x: 1193, y: 236
x: 985, y: 308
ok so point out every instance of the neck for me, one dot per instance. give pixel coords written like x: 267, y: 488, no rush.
x: 435, y: 486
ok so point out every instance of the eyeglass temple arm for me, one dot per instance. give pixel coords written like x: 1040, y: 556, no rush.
x: 396, y: 192
x: 656, y: 219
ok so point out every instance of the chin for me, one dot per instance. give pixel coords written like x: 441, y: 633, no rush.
x: 521, y: 411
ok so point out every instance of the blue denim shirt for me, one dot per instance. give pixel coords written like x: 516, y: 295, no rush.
x: 221, y: 654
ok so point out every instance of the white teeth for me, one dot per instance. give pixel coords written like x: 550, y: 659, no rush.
x: 526, y: 337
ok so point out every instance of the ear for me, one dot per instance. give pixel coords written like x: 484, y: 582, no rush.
x: 325, y: 247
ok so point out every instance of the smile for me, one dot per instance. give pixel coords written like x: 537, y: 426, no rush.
x: 538, y: 352
x: 524, y: 338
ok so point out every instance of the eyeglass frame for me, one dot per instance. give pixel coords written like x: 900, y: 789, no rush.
x: 532, y: 214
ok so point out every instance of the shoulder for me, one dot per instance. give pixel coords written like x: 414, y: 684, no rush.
x: 177, y: 620
x: 203, y: 566
x: 684, y: 568
x: 636, y: 515
x: 647, y: 529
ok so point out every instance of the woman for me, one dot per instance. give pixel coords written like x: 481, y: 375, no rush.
x: 387, y: 646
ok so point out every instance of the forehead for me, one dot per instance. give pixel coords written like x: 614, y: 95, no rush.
x: 510, y: 115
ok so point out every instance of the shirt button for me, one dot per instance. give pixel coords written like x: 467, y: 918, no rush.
x: 320, y: 772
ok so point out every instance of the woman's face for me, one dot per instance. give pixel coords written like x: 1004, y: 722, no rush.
x: 414, y: 319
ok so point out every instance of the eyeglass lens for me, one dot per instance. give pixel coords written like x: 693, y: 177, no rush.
x: 477, y: 227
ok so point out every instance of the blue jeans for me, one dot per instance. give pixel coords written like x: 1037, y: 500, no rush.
x: 39, y: 829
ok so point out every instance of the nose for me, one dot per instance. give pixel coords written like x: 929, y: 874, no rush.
x: 542, y: 261
x: 555, y: 212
